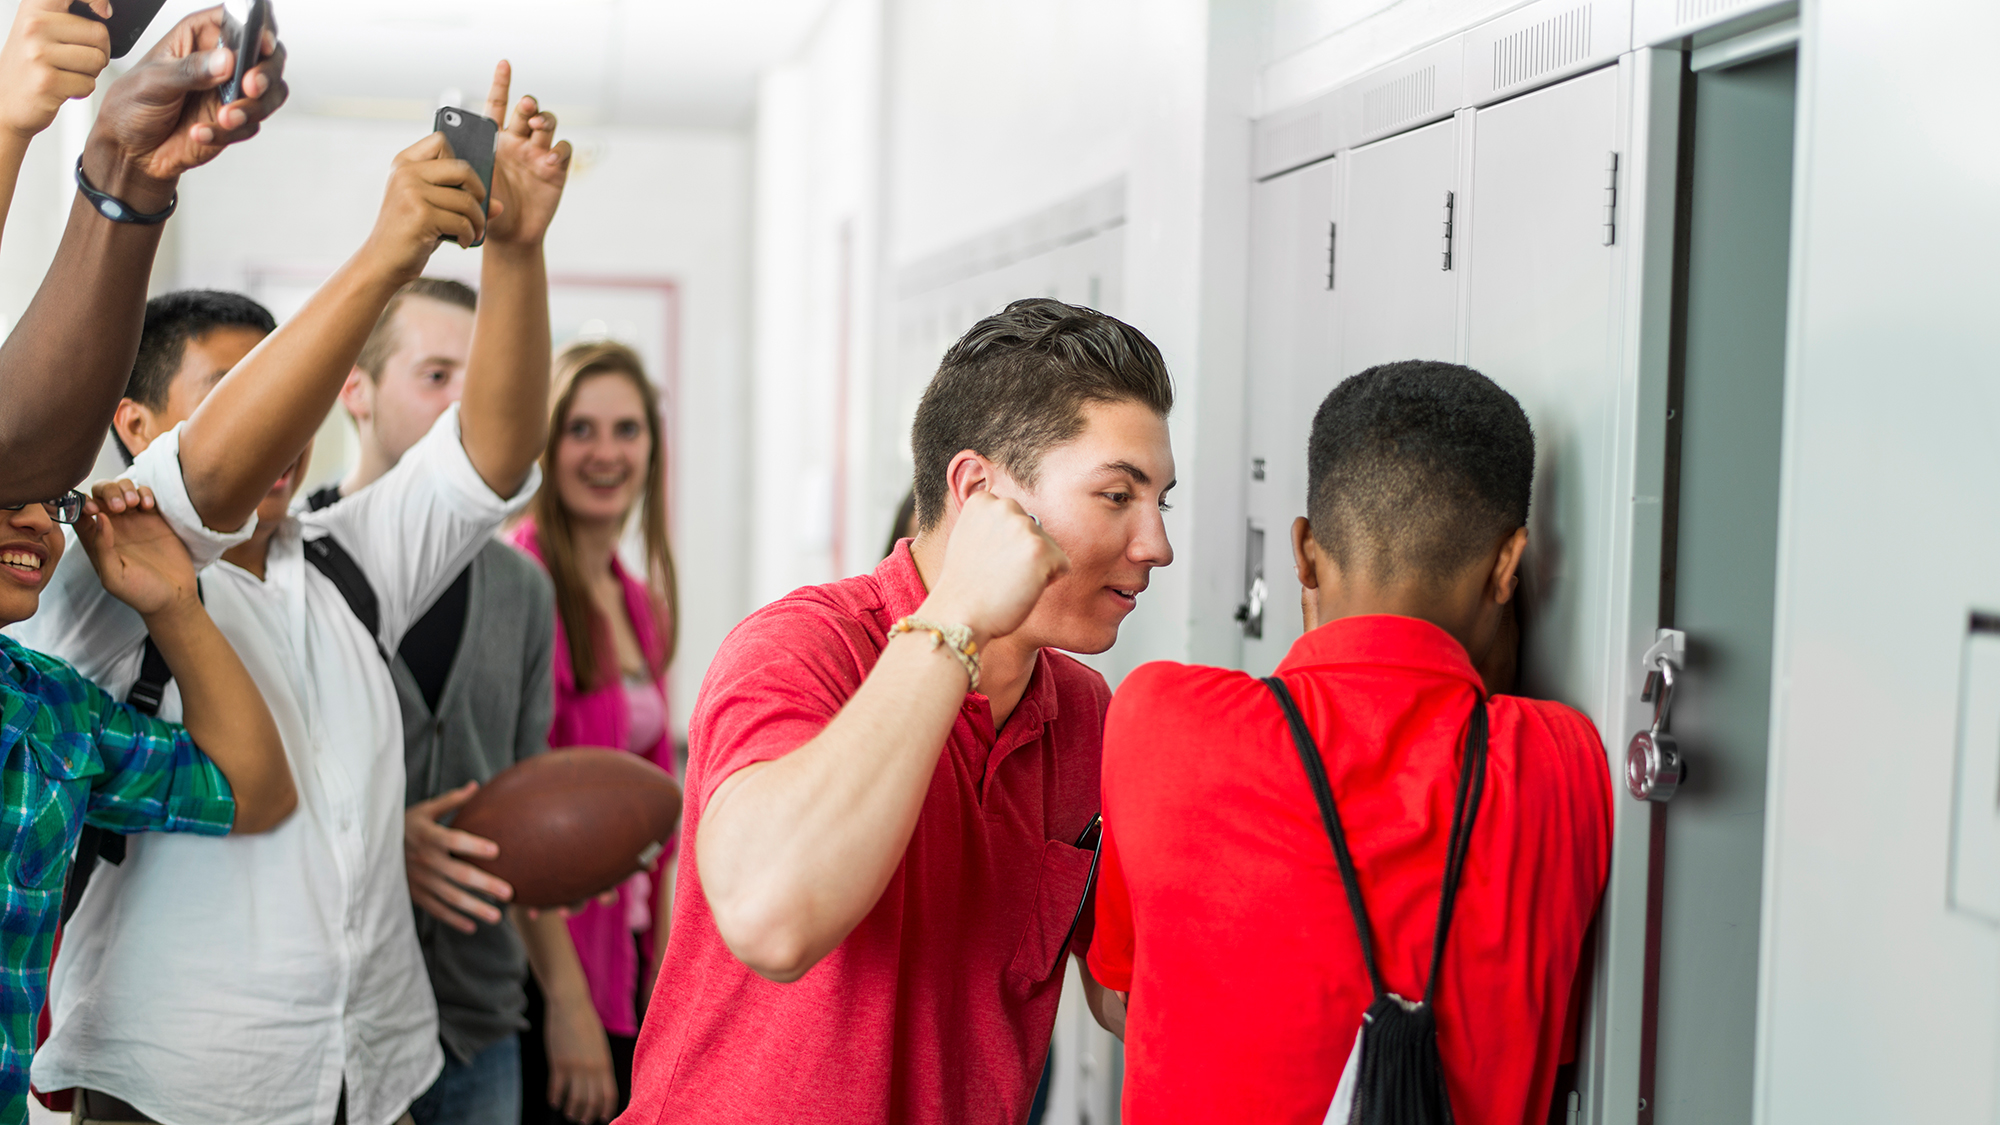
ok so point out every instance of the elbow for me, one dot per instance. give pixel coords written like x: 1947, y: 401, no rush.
x: 268, y: 811
x: 771, y: 941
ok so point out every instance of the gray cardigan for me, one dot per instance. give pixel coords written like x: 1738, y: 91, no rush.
x: 494, y: 711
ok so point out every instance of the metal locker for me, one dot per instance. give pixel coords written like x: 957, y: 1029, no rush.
x: 1397, y: 224
x: 1293, y: 363
x: 1538, y: 321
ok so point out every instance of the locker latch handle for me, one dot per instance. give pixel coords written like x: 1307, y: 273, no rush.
x: 1654, y: 768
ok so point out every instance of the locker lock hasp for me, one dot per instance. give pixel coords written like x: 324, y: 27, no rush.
x: 1654, y: 768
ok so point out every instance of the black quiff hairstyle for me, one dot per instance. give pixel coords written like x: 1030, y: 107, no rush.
x: 1417, y: 468
x: 1015, y: 385
x: 174, y: 319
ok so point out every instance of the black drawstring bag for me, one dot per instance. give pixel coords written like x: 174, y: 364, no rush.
x: 1395, y: 1075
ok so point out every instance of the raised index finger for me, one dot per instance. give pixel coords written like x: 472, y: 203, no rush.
x: 496, y: 98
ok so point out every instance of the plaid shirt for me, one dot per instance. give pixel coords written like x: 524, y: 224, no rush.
x: 70, y: 753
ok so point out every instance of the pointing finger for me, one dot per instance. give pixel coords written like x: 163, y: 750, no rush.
x: 496, y: 97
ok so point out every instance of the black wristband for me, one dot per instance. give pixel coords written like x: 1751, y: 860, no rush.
x: 116, y: 209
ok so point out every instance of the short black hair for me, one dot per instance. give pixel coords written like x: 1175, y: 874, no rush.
x: 1417, y: 468
x: 171, y: 321
x: 1014, y: 387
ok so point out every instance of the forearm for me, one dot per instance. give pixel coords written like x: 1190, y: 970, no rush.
x: 663, y: 918
x: 793, y: 853
x: 13, y: 150
x: 552, y: 956
x: 503, y: 419
x: 65, y: 365
x: 249, y: 429
x: 225, y: 715
x: 1106, y: 1006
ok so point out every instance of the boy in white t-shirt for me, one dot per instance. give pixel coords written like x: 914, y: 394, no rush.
x: 280, y: 982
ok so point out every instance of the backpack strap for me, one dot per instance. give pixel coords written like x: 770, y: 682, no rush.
x: 323, y: 498
x: 331, y: 559
x: 1330, y: 816
x: 1471, y: 787
x: 154, y: 676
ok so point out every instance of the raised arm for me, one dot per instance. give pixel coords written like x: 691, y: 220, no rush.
x: 794, y: 853
x: 51, y: 57
x: 65, y: 364
x: 503, y: 418
x: 258, y: 418
x: 142, y: 563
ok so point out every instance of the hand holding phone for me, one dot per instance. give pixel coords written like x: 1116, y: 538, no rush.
x: 530, y: 167
x: 129, y: 19
x: 243, y: 26
x: 471, y: 136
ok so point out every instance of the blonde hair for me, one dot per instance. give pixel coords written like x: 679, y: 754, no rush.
x: 588, y: 635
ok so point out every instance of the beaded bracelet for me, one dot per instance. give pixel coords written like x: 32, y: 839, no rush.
x: 957, y: 638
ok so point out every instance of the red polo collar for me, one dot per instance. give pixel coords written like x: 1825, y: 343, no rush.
x: 1385, y: 640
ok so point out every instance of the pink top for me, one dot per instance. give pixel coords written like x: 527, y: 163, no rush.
x: 937, y: 1008
x: 604, y: 717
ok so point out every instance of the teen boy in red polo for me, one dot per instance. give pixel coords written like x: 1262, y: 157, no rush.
x: 1221, y: 911
x: 887, y: 775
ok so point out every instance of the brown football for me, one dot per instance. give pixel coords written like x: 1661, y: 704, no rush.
x: 572, y: 824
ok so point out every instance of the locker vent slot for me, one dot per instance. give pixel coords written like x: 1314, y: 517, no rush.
x: 1404, y: 99
x: 1292, y: 144
x: 1549, y: 45
x: 1689, y: 11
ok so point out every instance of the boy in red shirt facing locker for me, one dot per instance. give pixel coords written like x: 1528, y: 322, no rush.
x: 1222, y: 912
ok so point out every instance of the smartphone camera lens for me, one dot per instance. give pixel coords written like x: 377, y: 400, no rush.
x: 452, y: 119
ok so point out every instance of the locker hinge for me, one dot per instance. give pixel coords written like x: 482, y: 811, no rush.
x: 1610, y: 199
x: 1450, y: 198
x: 1332, y: 242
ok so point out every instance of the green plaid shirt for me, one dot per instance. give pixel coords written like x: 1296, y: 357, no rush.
x: 70, y: 753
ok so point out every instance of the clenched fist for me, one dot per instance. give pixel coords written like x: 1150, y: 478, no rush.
x: 996, y: 566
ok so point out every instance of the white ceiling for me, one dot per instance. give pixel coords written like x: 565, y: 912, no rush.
x: 626, y: 62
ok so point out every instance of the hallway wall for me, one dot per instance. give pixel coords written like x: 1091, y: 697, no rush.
x: 932, y: 143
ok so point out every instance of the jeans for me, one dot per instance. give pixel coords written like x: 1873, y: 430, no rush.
x: 485, y: 1091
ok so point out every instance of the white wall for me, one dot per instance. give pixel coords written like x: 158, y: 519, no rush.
x: 916, y: 126
x: 651, y: 243
x: 818, y: 234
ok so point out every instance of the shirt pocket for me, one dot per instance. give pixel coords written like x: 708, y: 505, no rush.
x: 49, y: 802
x: 1059, y: 892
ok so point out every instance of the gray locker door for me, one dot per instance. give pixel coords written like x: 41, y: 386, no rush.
x: 1538, y: 301
x: 1543, y: 303
x: 1724, y: 588
x: 1292, y: 365
x: 1398, y: 300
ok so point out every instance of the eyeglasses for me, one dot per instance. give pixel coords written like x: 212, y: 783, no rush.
x: 1092, y: 838
x: 67, y: 508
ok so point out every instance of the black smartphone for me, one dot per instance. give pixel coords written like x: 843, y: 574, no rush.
x: 470, y: 136
x: 243, y: 24
x: 129, y: 20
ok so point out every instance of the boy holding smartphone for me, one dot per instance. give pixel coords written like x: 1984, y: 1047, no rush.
x: 311, y: 1004
x: 62, y: 366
